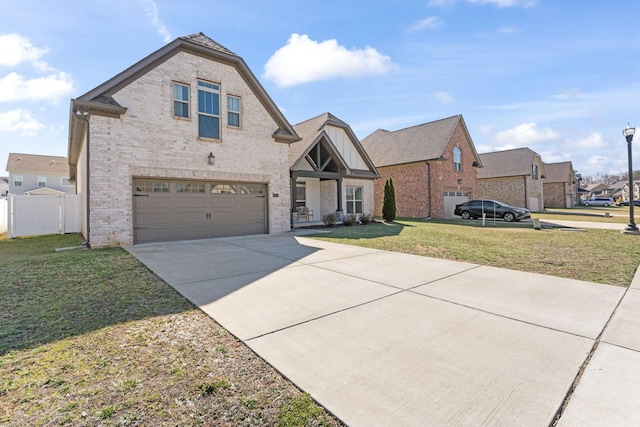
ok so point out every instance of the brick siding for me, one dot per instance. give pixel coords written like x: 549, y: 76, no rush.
x: 148, y: 142
x: 411, y: 183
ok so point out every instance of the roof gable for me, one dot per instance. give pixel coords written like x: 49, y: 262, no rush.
x: 318, y: 129
x: 516, y: 162
x: 414, y: 144
x: 100, y: 101
x: 37, y: 164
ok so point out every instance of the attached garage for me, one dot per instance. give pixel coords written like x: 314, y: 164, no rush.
x: 451, y: 199
x: 166, y: 210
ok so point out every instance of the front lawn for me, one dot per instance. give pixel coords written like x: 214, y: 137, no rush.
x: 602, y: 256
x: 92, y: 337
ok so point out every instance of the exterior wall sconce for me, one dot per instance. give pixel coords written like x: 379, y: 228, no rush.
x: 211, y: 158
x: 460, y: 181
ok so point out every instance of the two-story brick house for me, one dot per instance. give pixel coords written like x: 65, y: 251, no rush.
x: 514, y: 177
x: 559, y: 185
x: 184, y: 144
x: 433, y: 167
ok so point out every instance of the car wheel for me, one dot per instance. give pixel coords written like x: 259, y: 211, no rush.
x: 587, y: 204
x: 509, y: 217
x: 465, y: 215
x: 605, y: 204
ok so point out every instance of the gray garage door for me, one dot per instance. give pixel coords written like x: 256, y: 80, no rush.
x: 181, y: 210
x: 451, y: 199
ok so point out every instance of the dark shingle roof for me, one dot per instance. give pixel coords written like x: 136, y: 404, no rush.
x: 203, y: 40
x: 516, y: 162
x: 417, y: 143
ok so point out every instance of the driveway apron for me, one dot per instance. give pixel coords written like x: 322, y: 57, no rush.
x: 381, y: 338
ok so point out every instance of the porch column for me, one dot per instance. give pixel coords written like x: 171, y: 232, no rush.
x: 339, y: 183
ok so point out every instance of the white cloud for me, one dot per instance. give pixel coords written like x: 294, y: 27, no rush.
x: 431, y: 23
x: 20, y: 120
x: 524, y: 135
x: 17, y: 49
x: 151, y: 9
x: 303, y: 60
x: 593, y: 140
x: 15, y: 87
x: 443, y: 97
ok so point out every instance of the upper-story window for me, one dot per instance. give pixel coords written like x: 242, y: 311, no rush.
x: 457, y: 160
x: 208, y: 110
x: 42, y: 181
x: 180, y: 100
x: 17, y: 180
x: 534, y: 171
x: 233, y: 111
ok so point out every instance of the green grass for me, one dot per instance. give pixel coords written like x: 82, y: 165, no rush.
x: 92, y: 337
x: 601, y: 256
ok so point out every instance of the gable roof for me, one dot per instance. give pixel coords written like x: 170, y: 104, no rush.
x: 37, y: 164
x: 413, y: 144
x: 100, y: 101
x: 312, y: 130
x: 558, y: 172
x: 515, y: 162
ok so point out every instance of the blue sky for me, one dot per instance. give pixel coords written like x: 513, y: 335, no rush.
x: 559, y: 77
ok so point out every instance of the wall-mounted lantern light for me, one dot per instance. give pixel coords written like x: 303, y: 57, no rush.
x: 212, y: 159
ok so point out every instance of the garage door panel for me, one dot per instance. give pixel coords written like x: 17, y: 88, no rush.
x: 176, y: 210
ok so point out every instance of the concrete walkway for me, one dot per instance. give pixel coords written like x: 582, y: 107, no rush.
x: 382, y: 338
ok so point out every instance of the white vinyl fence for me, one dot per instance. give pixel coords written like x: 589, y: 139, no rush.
x: 34, y: 215
x: 3, y: 215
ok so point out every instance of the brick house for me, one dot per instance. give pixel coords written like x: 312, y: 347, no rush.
x: 330, y: 171
x: 184, y: 144
x: 38, y: 174
x: 559, y: 185
x: 433, y: 167
x: 514, y: 177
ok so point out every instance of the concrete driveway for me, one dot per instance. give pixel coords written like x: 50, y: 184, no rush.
x: 381, y: 338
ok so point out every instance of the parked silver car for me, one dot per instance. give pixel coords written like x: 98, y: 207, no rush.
x: 600, y: 201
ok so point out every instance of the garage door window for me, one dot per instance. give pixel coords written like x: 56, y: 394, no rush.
x: 190, y: 187
x: 153, y: 187
x: 257, y: 190
x: 223, y: 189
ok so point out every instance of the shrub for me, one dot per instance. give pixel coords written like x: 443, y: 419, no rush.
x: 329, y: 219
x: 349, y: 220
x: 365, y: 219
x: 389, y: 202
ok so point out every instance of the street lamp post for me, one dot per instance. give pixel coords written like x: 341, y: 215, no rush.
x: 631, y: 228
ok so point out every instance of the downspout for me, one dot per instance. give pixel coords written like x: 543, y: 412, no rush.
x: 429, y: 188
x: 526, y: 196
x: 80, y: 114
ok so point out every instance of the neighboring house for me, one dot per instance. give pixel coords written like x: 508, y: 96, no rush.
x: 560, y: 185
x: 616, y: 190
x: 433, y: 167
x: 330, y: 171
x: 47, y: 174
x: 514, y: 177
x: 596, y: 189
x: 625, y: 191
x: 4, y: 186
x: 184, y: 144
